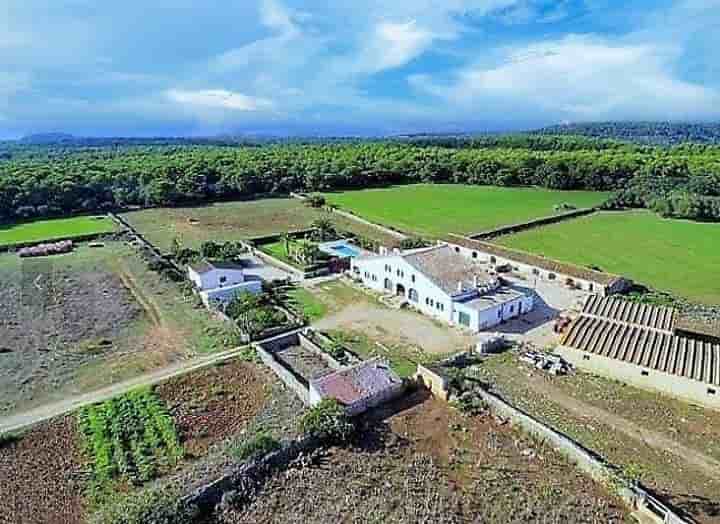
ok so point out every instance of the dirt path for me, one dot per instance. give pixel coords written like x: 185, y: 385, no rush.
x: 48, y: 411
x: 698, y: 460
x: 147, y: 304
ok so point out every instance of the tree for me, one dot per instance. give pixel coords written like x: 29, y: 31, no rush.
x: 324, y: 229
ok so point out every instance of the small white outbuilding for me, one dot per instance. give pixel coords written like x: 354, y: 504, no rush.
x: 220, y: 282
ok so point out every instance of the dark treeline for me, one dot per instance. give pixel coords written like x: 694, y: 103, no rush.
x: 55, y: 180
x: 655, y: 133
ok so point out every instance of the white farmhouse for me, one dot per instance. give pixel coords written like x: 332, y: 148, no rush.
x: 220, y: 282
x: 443, y: 284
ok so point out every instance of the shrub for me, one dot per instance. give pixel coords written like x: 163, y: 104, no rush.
x: 413, y: 243
x: 316, y: 201
x: 258, y: 446
x: 8, y: 438
x: 156, y: 506
x: 328, y: 420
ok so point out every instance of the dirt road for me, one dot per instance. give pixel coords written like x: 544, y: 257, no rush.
x: 48, y: 411
x: 698, y: 460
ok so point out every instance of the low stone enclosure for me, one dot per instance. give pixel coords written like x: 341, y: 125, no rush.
x: 300, y: 360
x: 531, y: 224
x: 436, y: 379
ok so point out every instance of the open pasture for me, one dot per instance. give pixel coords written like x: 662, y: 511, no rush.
x: 676, y: 256
x: 234, y: 221
x: 434, y: 210
x: 76, y: 322
x: 54, y: 229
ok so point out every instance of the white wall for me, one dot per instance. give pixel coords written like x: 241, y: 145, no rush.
x: 676, y: 386
x: 213, y: 278
x: 488, y: 318
x: 375, y: 267
x: 531, y: 271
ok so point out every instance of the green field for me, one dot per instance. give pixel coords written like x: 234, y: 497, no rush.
x: 226, y: 221
x: 677, y: 256
x: 434, y: 210
x: 44, y: 230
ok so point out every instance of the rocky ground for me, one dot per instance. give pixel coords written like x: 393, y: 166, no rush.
x: 427, y: 463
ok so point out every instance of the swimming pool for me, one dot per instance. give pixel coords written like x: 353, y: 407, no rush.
x: 341, y: 249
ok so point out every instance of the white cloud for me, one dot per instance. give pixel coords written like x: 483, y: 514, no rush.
x: 218, y: 99
x: 393, y: 44
x: 581, y: 77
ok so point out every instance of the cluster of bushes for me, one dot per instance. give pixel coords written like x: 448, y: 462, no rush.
x: 328, y: 421
x: 152, y: 505
x: 208, y: 250
x: 101, y: 178
x: 256, y: 446
x: 414, y: 243
x: 254, y: 314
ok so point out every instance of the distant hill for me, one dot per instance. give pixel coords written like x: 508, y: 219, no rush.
x: 655, y: 133
x: 47, y: 138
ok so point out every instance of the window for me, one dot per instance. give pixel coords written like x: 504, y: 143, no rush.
x: 586, y: 357
x: 552, y: 276
x: 432, y: 302
x: 493, y: 260
x: 374, y: 278
x: 535, y: 271
x: 223, y: 280
x: 412, y: 278
x: 427, y: 301
x: 512, y: 309
x: 413, y: 295
x: 712, y: 391
x: 367, y: 274
x: 464, y: 319
x: 645, y: 373
x: 475, y: 254
x: 388, y: 268
x: 457, y: 249
x: 591, y: 288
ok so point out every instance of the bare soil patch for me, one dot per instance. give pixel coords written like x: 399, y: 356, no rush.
x: 430, y: 464
x: 42, y: 476
x: 54, y: 321
x: 215, y: 403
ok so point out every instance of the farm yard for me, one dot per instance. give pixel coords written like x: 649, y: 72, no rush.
x: 80, y: 321
x: 429, y: 463
x: 434, y: 210
x: 59, y: 228
x: 232, y: 221
x: 677, y: 256
x: 178, y: 434
x: 670, y: 446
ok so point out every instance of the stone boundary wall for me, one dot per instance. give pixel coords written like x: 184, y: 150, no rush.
x: 148, y: 245
x: 248, y: 476
x: 292, y: 380
x: 590, y: 463
x: 77, y: 239
x: 531, y: 224
x: 392, y: 232
x: 435, y: 382
x: 352, y: 357
x: 308, y: 344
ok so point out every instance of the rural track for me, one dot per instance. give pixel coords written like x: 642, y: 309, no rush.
x: 31, y: 417
x: 696, y: 459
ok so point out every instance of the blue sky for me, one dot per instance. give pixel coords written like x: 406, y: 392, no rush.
x: 313, y: 67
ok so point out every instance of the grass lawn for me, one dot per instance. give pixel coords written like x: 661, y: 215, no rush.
x: 402, y: 360
x: 677, y: 256
x: 236, y: 221
x: 308, y: 304
x: 433, y: 210
x: 43, y: 230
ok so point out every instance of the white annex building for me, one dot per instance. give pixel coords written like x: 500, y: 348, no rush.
x: 220, y: 282
x: 444, y: 284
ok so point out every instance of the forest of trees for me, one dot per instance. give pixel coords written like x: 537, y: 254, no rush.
x: 55, y: 179
x: 655, y: 133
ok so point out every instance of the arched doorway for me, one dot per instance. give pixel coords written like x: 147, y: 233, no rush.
x: 400, y: 290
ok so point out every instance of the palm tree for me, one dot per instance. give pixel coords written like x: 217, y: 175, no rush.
x: 324, y: 228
